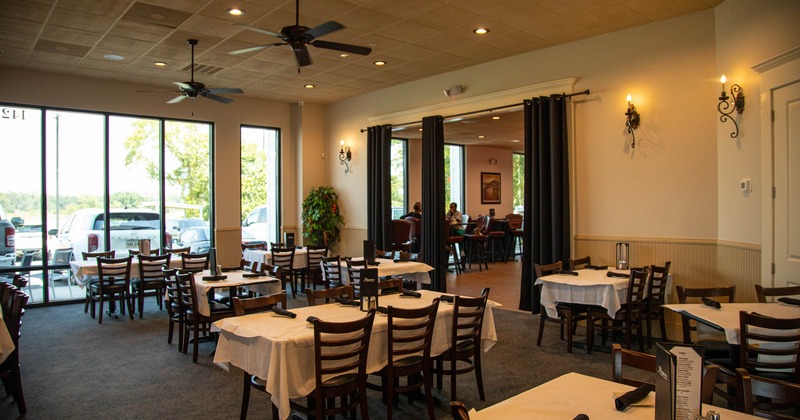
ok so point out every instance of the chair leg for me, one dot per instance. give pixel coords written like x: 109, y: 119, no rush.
x: 171, y: 329
x: 245, y: 395
x: 195, y: 341
x: 127, y: 298
x: 100, y: 316
x: 453, y: 380
x: 428, y: 384
x: 568, y: 313
x: 478, y: 372
x: 589, y: 333
x: 542, y: 319
x: 140, y: 298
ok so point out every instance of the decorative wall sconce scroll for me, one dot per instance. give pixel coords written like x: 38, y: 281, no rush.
x: 631, y: 120
x: 726, y: 107
x: 344, y: 156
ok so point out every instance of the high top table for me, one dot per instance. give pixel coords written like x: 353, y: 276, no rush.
x: 281, y: 349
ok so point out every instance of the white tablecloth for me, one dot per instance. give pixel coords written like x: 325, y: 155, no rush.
x: 281, y: 349
x: 409, y: 270
x: 590, y: 287
x: 265, y: 257
x: 82, y: 269
x: 6, y: 343
x: 727, y: 317
x: 571, y: 394
x: 265, y: 285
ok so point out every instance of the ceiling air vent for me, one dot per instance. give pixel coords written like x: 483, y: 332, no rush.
x: 204, y: 69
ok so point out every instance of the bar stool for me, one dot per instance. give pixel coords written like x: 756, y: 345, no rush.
x: 496, y: 231
x: 475, y: 243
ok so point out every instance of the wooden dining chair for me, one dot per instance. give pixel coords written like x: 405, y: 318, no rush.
x: 113, y: 284
x: 496, y: 245
x: 312, y: 272
x: 151, y: 278
x: 175, y: 309
x: 465, y: 330
x: 762, y: 293
x: 409, y: 355
x: 10, y: 372
x: 569, y: 314
x: 624, y: 320
x: 769, y: 346
x: 345, y: 292
x: 766, y: 397
x: 580, y: 263
x: 194, y: 261
x: 332, y: 271
x: 514, y: 224
x: 340, y: 348
x: 89, y: 280
x: 250, y: 306
x: 393, y: 285
x: 656, y: 298
x: 354, y: 271
x: 284, y: 258
x: 196, y: 323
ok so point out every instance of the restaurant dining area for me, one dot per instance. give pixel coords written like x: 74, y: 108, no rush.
x: 399, y: 210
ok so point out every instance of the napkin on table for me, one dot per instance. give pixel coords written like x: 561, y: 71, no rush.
x: 632, y: 397
x: 253, y: 275
x: 790, y: 301
x: 571, y: 273
x: 618, y: 275
x: 283, y: 312
x: 711, y: 302
x: 412, y: 293
x: 344, y: 301
x: 597, y: 267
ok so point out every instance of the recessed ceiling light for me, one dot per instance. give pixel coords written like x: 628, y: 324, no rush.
x: 481, y: 137
x: 113, y: 57
x: 344, y: 55
x: 308, y: 86
x: 235, y: 11
x: 159, y: 64
x: 481, y: 31
x: 496, y: 117
x: 514, y: 141
x: 379, y: 63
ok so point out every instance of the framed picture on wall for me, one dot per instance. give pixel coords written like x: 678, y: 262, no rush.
x: 490, y: 188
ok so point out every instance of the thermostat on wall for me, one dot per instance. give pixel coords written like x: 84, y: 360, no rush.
x: 745, y: 185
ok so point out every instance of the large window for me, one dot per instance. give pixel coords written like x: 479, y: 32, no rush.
x: 110, y: 181
x: 399, y: 181
x: 260, y: 180
x: 454, y: 176
x: 518, y: 171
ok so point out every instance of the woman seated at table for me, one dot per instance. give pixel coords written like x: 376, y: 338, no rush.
x: 454, y: 217
x: 415, y: 212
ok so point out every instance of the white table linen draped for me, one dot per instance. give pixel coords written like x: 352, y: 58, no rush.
x: 727, y: 317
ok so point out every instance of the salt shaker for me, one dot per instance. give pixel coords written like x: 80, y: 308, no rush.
x: 712, y: 415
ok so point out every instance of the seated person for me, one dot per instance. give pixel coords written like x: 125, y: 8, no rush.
x: 454, y: 217
x: 416, y: 212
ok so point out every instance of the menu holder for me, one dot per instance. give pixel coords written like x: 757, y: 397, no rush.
x: 288, y: 239
x: 369, y: 289
x: 679, y: 380
x: 369, y: 252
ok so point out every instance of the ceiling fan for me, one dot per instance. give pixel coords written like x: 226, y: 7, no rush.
x: 192, y: 89
x: 299, y: 37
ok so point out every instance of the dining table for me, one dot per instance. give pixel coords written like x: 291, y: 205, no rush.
x: 410, y: 270
x: 265, y: 257
x: 726, y: 318
x: 280, y: 349
x: 571, y: 394
x: 6, y: 343
x: 83, y: 270
x: 263, y: 284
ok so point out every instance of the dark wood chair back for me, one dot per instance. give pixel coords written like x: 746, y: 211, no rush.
x: 332, y: 270
x: 762, y: 293
x: 354, y: 270
x: 624, y: 358
x: 314, y: 296
x: 401, y: 234
x: 394, y: 285
x: 283, y: 257
x: 579, y: 263
x: 261, y: 245
x: 258, y: 304
x: 313, y: 269
x: 194, y: 261
x: 769, y: 346
x: 685, y: 293
x: 176, y: 251
x: 151, y: 267
x: 760, y: 395
x: 542, y: 270
x: 104, y: 254
x: 113, y: 272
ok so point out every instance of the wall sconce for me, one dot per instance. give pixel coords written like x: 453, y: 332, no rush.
x: 345, y: 156
x: 631, y: 120
x: 726, y: 108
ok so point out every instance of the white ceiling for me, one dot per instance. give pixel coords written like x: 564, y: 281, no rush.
x: 417, y: 39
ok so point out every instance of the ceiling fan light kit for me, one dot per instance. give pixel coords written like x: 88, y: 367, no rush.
x: 299, y: 37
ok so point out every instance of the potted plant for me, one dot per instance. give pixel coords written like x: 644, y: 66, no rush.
x: 321, y: 219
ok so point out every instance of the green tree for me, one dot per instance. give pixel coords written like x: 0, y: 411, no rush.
x: 254, y: 177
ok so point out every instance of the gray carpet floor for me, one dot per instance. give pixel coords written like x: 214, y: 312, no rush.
x: 74, y: 368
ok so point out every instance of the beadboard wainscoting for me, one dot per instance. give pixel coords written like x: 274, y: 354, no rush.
x: 695, y: 263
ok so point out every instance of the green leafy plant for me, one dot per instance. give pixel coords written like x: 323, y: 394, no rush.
x: 322, y: 222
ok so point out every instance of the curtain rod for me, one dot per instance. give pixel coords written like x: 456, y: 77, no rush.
x: 564, y: 95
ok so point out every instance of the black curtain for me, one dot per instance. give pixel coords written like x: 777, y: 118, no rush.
x: 547, y: 225
x: 432, y: 240
x: 379, y: 193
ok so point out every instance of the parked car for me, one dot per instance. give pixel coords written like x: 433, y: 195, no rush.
x: 7, y: 234
x: 255, y: 224
x: 198, y: 239
x: 29, y: 239
x: 177, y: 226
x: 83, y: 231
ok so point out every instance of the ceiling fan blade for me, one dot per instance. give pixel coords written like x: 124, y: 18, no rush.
x: 249, y: 50
x: 324, y: 29
x: 176, y: 99
x: 303, y: 58
x: 355, y: 49
x: 183, y: 86
x: 254, y: 29
x: 225, y: 90
x: 218, y: 98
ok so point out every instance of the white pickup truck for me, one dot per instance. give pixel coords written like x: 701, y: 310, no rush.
x: 83, y: 231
